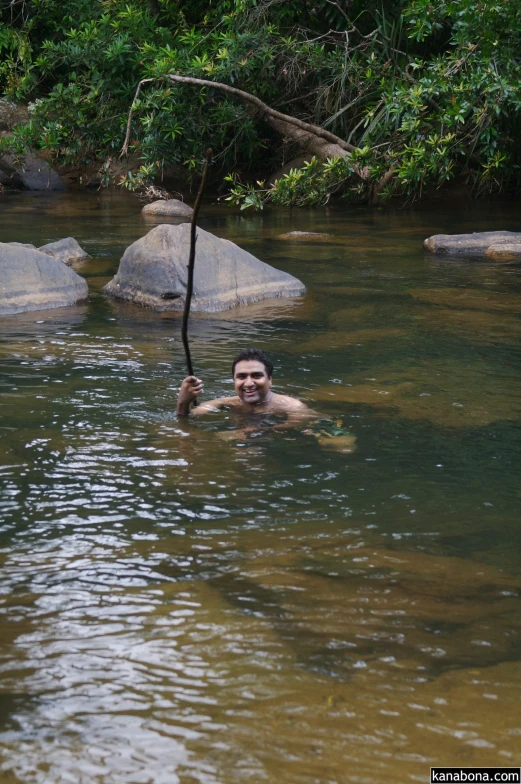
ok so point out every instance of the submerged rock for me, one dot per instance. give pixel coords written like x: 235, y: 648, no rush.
x: 441, y: 392
x: 477, y: 325
x: 302, y: 236
x: 31, y: 280
x: 352, y: 316
x: 172, y: 207
x: 153, y: 273
x: 405, y: 608
x: 65, y: 250
x: 474, y: 299
x: 475, y: 244
x: 34, y: 174
x: 332, y: 341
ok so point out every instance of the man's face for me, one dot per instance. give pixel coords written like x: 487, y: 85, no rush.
x: 252, y: 383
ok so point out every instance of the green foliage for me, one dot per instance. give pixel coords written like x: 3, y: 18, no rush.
x: 427, y: 91
x: 453, y: 110
x: 84, y: 75
x: 314, y: 183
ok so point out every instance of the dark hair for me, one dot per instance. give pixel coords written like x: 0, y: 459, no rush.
x: 256, y: 354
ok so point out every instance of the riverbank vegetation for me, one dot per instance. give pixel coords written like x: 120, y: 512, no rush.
x: 391, y: 97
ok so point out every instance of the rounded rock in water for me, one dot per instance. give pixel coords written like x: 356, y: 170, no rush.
x: 31, y: 280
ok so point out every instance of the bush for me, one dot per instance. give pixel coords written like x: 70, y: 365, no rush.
x: 425, y: 91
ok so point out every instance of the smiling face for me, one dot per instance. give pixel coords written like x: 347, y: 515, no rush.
x: 252, y: 383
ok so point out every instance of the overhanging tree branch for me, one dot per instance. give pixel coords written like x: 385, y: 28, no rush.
x: 266, y: 111
x: 275, y: 118
x: 311, y: 138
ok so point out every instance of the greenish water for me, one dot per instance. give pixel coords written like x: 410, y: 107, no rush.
x: 179, y: 607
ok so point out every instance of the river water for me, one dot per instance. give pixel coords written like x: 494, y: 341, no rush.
x: 182, y: 606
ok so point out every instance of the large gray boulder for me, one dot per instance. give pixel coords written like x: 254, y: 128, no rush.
x: 469, y: 244
x: 34, y: 174
x: 65, y: 250
x: 168, y: 207
x: 30, y: 280
x: 153, y: 272
x: 23, y: 245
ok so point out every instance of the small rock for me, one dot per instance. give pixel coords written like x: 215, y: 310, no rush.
x: 66, y: 250
x: 153, y: 273
x: 304, y: 235
x: 172, y: 207
x: 507, y: 251
x: 470, y: 244
x: 31, y: 280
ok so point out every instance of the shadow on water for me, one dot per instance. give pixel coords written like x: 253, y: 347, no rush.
x: 337, y: 623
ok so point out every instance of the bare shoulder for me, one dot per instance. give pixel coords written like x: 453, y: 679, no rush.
x: 290, y: 404
x: 216, y: 405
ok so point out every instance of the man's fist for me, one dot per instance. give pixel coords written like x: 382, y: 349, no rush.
x: 191, y: 388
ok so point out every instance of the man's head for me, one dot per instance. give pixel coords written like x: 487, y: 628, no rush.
x: 253, y: 354
x: 252, y: 371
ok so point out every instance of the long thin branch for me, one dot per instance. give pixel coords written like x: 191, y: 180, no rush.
x: 124, y: 149
x: 191, y: 264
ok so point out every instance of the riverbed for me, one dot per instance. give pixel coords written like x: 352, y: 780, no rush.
x: 179, y: 605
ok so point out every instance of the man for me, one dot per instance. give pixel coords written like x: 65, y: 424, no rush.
x: 252, y: 377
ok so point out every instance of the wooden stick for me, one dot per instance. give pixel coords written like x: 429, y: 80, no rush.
x: 191, y: 264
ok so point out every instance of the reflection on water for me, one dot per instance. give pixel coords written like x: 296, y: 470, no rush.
x: 179, y: 607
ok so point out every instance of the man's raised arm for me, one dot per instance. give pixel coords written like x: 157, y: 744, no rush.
x: 191, y: 388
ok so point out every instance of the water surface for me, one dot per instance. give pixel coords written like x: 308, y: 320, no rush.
x: 181, y: 607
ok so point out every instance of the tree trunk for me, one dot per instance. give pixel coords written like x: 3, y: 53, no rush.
x: 309, y: 142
